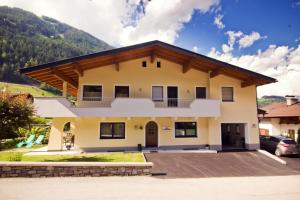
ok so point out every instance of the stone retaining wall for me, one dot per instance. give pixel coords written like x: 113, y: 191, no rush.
x: 57, y: 169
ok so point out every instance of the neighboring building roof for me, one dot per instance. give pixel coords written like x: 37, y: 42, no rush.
x: 70, y: 69
x: 261, y: 111
x: 282, y: 110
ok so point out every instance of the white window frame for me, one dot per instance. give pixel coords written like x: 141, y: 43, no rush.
x: 127, y: 85
x: 198, y: 86
x: 92, y: 84
x: 233, y: 94
x: 160, y: 100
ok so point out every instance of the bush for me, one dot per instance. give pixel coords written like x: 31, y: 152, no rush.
x: 39, y: 120
x: 10, y: 143
x: 36, y: 131
x: 15, y: 112
x: 33, y: 131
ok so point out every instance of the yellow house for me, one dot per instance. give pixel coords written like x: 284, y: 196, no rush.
x: 150, y: 95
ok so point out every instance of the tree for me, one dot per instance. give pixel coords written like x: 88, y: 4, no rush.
x: 15, y: 111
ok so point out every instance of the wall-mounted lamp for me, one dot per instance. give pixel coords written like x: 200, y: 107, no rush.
x: 140, y: 89
x: 136, y: 127
x: 188, y: 91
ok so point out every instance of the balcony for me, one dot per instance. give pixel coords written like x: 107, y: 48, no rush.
x: 128, y: 107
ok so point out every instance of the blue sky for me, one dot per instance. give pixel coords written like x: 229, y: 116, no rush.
x: 259, y: 35
x: 279, y: 20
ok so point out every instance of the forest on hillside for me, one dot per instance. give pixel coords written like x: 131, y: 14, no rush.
x: 28, y: 40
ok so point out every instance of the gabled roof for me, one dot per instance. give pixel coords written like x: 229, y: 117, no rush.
x: 70, y: 69
x: 282, y: 110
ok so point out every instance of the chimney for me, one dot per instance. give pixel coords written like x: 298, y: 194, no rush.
x: 290, y: 100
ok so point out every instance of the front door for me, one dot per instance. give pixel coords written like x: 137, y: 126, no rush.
x: 172, y: 96
x: 233, y: 136
x: 151, y: 134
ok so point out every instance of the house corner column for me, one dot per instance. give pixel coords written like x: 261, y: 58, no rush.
x: 65, y: 89
x: 214, y: 137
x: 56, y: 135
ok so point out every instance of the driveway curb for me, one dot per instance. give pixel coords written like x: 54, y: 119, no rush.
x: 272, y: 156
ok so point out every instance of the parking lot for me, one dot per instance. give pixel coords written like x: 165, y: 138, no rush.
x: 224, y: 164
x: 293, y: 162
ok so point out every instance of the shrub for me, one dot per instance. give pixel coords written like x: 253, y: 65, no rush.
x: 9, y: 143
x: 15, y: 112
x: 39, y: 120
x: 36, y: 131
x: 33, y: 131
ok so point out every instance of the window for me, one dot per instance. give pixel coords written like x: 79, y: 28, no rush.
x: 114, y: 130
x: 227, y: 94
x: 291, y: 134
x: 121, y: 91
x: 158, y: 64
x: 200, y: 92
x: 67, y: 127
x: 157, y: 93
x: 289, y: 141
x: 144, y: 64
x: 273, y: 139
x: 185, y: 129
x: 92, y: 93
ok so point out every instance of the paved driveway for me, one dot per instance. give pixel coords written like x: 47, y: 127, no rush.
x: 293, y: 162
x: 230, y: 164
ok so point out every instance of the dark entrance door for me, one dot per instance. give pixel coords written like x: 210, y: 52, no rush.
x: 233, y: 136
x: 151, y: 134
x: 172, y: 96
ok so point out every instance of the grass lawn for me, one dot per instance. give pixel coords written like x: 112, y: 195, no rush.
x: 24, y: 149
x: 19, y: 88
x: 99, y: 157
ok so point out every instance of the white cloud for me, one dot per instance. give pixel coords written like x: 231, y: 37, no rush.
x: 218, y: 21
x: 227, y: 48
x: 121, y: 22
x: 232, y: 36
x: 241, y: 38
x: 248, y: 40
x: 280, y: 62
x: 195, y: 49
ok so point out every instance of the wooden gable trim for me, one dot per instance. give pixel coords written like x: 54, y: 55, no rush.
x: 187, y: 66
x: 59, y: 75
x: 247, y: 83
x: 77, y: 69
x: 152, y: 56
x: 215, y: 72
x: 116, y: 62
x: 117, y: 66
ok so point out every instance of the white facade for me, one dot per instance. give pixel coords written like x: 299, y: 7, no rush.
x: 275, y: 128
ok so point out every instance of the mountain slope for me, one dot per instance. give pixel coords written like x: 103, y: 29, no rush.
x: 33, y: 90
x: 267, y: 100
x: 27, y: 40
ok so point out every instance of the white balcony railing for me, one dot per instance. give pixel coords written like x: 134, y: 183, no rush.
x: 130, y: 107
x: 165, y: 103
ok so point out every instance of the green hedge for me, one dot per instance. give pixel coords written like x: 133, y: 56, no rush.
x: 9, y: 143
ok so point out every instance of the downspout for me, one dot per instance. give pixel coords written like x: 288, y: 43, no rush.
x: 257, y: 113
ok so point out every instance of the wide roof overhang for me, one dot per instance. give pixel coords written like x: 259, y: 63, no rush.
x: 69, y: 70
